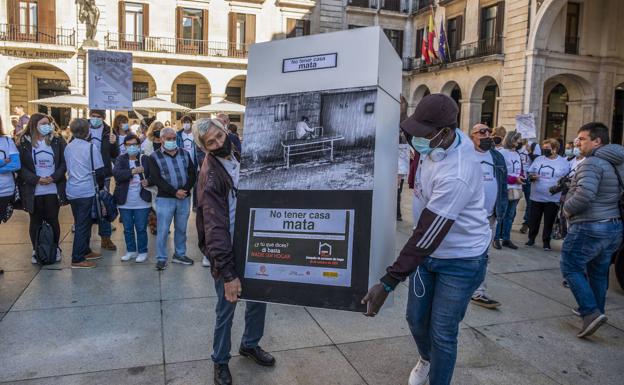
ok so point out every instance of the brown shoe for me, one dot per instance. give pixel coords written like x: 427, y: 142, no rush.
x: 83, y: 265
x: 107, y: 244
x: 93, y: 256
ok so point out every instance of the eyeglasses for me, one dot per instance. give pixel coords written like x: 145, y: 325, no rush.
x: 483, y: 131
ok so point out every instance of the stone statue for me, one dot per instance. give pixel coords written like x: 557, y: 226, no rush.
x: 89, y: 14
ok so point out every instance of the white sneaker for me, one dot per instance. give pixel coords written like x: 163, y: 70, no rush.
x: 205, y: 262
x: 141, y: 258
x: 128, y: 256
x: 33, y: 260
x: 58, y: 254
x: 420, y: 373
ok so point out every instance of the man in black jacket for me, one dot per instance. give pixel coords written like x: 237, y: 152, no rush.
x: 172, y: 170
x: 103, y: 138
x: 216, y: 195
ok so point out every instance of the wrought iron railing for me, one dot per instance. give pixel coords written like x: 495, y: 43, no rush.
x: 391, y: 5
x: 480, y: 48
x: 129, y: 42
x: 37, y: 34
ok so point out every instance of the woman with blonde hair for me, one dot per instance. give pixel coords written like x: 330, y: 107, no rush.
x: 152, y: 141
x: 42, y: 176
x: 121, y: 128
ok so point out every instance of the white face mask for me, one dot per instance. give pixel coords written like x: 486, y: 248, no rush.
x: 186, y: 126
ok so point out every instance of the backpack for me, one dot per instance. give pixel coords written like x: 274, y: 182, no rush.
x: 45, y: 246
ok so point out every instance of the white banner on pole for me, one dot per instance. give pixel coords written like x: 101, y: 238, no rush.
x: 525, y: 125
x: 110, y: 80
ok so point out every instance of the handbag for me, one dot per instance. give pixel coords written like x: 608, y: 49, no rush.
x: 104, y: 207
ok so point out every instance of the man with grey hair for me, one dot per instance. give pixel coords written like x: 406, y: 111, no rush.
x: 173, y: 172
x: 216, y: 211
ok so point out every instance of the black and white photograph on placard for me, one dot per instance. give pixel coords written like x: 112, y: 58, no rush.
x: 321, y: 140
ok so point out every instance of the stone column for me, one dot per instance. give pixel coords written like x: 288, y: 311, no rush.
x: 470, y: 113
x: 164, y: 115
x: 5, y: 106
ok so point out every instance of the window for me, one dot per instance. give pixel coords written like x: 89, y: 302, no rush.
x: 572, y: 28
x: 186, y: 95
x: 454, y: 35
x: 396, y: 39
x: 353, y: 26
x: 192, y: 24
x: 488, y: 22
x: 240, y: 31
x: 133, y: 18
x: 140, y: 90
x: 234, y: 95
x: 296, y: 28
x: 28, y: 16
x: 419, y: 38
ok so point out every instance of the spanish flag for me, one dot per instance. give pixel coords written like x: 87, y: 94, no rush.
x: 431, y: 46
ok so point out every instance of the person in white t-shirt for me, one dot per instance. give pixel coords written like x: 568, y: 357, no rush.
x: 446, y: 255
x: 121, y: 128
x: 81, y: 189
x: 495, y: 192
x: 303, y: 130
x: 576, y: 159
x: 515, y: 180
x: 544, y: 173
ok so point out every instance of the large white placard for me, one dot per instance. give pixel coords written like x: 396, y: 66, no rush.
x: 525, y: 125
x: 110, y: 80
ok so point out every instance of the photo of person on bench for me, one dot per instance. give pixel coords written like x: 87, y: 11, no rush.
x: 303, y: 130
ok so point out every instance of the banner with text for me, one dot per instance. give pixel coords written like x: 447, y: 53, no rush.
x: 110, y: 80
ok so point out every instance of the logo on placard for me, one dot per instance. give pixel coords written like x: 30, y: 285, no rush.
x: 262, y: 270
x: 325, y: 249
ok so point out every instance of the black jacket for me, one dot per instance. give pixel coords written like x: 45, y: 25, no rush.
x: 28, y: 178
x: 123, y: 175
x: 165, y: 190
x: 109, y: 151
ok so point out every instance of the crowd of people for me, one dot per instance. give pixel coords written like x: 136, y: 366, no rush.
x: 467, y: 187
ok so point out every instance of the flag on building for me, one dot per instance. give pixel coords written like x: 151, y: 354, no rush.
x: 431, y: 48
x: 424, y: 47
x: 442, y: 44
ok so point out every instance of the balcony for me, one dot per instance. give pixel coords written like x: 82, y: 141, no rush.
x: 572, y: 45
x: 391, y: 5
x: 172, y: 45
x: 36, y: 34
x: 361, y: 4
x: 421, y: 5
x: 386, y: 5
x: 479, y: 49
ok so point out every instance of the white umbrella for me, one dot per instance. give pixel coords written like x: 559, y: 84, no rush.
x: 64, y: 101
x: 155, y: 105
x: 222, y: 106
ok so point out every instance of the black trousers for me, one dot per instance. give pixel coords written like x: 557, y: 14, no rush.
x: 4, y: 202
x: 538, y: 209
x: 399, y: 192
x: 46, y: 208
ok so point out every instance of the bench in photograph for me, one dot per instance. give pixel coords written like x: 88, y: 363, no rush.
x: 319, y: 143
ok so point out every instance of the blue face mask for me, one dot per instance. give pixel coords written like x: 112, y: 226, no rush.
x: 170, y: 145
x: 132, y: 149
x: 576, y: 151
x: 95, y: 122
x: 44, y: 129
x: 124, y: 126
x: 423, y: 145
x: 569, y: 152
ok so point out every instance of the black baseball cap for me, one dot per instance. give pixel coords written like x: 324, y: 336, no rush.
x: 434, y: 112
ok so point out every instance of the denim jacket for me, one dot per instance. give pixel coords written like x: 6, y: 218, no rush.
x: 500, y: 171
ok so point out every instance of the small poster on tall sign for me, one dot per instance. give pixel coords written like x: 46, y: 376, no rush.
x: 110, y: 80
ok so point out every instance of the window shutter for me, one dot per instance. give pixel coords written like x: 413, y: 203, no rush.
x: 13, y: 12
x: 460, y: 30
x: 46, y: 15
x: 179, y: 22
x: 306, y: 27
x: 205, y: 25
x: 400, y: 47
x: 145, y: 20
x: 250, y: 30
x: 232, y: 30
x: 291, y: 24
x: 121, y: 6
x: 500, y: 19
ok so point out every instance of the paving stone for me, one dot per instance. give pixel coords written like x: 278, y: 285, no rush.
x: 343, y: 326
x: 311, y: 366
x: 189, y: 327
x: 179, y: 282
x: 616, y: 318
x: 141, y: 375
x: 12, y: 284
x: 480, y: 362
x: 549, y: 284
x: 511, y: 261
x: 552, y: 347
x: 16, y: 257
x: 518, y: 303
x: 107, y: 285
x: 53, y: 342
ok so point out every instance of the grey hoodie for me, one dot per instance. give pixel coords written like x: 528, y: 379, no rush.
x: 595, y: 190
